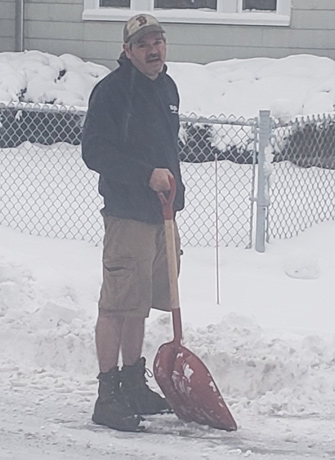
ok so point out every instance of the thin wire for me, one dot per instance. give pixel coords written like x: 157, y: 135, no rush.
x: 217, y: 232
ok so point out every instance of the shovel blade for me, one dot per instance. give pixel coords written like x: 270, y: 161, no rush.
x: 190, y: 389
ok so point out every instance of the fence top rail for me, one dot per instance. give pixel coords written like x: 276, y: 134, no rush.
x: 189, y: 118
x: 184, y: 118
x: 218, y: 120
x: 305, y: 119
x: 37, y: 107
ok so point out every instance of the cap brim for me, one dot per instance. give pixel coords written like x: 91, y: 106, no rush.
x: 136, y: 37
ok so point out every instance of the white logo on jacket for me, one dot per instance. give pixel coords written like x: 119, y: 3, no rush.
x: 174, y: 108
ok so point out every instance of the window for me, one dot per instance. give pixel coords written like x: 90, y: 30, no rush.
x: 269, y: 5
x: 182, y: 4
x: 115, y: 3
x: 250, y: 12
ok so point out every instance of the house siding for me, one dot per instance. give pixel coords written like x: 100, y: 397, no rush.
x: 7, y: 25
x: 55, y: 26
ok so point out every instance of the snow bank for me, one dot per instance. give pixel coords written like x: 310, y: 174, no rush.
x: 33, y: 76
x: 47, y: 317
x: 290, y: 86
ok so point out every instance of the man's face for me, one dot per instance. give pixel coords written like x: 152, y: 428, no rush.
x: 148, y: 54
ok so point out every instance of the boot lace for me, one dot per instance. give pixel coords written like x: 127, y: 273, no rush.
x: 148, y: 372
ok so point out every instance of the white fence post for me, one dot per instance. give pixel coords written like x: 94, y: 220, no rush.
x: 262, y: 202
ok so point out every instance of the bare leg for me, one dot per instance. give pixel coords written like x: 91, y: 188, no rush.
x: 132, y: 340
x: 134, y: 386
x: 108, y: 339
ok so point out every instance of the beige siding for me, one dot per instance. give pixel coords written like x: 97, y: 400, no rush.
x: 56, y: 26
x: 7, y: 25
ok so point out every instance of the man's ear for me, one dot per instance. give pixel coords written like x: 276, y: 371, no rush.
x: 126, y: 49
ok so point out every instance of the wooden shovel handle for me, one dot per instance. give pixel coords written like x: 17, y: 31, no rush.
x: 167, y: 207
x: 172, y: 263
x: 167, y: 200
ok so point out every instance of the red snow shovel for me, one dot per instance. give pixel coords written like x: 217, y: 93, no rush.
x: 183, y: 378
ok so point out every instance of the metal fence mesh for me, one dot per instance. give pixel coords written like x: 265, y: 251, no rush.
x: 302, y: 190
x: 47, y: 190
x: 218, y: 168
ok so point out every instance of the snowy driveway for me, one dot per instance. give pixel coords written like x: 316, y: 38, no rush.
x: 47, y: 416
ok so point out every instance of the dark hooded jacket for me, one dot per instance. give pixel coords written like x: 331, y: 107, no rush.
x: 130, y: 129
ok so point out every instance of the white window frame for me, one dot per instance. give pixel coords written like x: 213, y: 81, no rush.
x: 228, y: 12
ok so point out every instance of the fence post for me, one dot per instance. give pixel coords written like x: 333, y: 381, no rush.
x: 262, y: 203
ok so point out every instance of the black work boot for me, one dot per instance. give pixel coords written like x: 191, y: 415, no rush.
x: 110, y: 408
x: 136, y: 392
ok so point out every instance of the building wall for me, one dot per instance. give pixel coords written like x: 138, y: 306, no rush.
x: 7, y: 25
x: 55, y: 26
x: 312, y: 31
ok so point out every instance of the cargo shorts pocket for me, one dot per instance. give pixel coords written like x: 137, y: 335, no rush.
x: 120, y: 290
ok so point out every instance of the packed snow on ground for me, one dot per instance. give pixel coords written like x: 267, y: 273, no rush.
x: 269, y: 342
x: 269, y: 345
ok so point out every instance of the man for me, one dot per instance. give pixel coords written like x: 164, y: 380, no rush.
x: 130, y: 138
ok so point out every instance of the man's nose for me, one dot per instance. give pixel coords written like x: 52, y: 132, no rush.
x: 153, y: 49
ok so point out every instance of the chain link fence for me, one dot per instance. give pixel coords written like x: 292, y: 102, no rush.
x: 302, y: 182
x: 218, y: 159
x: 47, y: 190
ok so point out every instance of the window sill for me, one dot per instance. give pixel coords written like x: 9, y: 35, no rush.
x: 190, y: 17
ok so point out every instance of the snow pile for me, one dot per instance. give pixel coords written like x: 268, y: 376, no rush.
x: 263, y: 373
x: 290, y: 86
x: 302, y: 265
x: 48, y: 308
x: 33, y: 76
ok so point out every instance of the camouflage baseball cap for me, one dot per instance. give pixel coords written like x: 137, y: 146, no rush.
x: 140, y: 25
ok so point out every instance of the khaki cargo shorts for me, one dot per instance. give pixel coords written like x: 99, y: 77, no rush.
x: 135, y: 271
